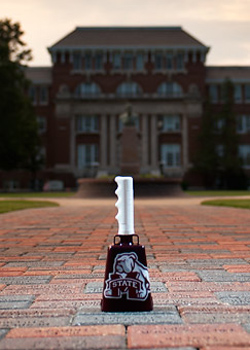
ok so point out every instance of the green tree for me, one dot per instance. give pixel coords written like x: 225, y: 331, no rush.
x: 206, y: 160
x: 230, y: 166
x: 19, y: 139
x: 217, y: 159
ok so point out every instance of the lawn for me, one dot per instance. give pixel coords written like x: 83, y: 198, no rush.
x: 218, y: 193
x: 11, y: 205
x: 36, y: 194
x: 235, y: 203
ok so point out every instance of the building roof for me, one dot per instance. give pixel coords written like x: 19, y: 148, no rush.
x: 238, y: 74
x: 93, y: 37
x: 39, y: 75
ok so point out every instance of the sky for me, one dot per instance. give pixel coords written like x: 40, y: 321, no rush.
x: 223, y: 25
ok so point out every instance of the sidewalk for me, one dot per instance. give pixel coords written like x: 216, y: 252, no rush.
x: 52, y: 267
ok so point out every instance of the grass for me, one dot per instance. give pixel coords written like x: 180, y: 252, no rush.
x: 234, y: 203
x: 218, y: 193
x: 36, y: 194
x: 11, y: 205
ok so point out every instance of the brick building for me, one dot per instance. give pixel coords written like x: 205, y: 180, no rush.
x: 159, y: 71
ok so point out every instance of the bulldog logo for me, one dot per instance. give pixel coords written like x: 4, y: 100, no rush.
x: 129, y: 277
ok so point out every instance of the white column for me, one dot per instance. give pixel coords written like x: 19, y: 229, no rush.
x: 112, y: 136
x: 103, y: 142
x: 154, y: 144
x: 144, y: 149
x: 184, y: 142
x: 72, y: 143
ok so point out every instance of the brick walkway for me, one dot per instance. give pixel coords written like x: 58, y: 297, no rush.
x: 52, y: 269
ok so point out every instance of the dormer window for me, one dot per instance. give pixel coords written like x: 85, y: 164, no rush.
x: 98, y: 61
x: 169, y: 60
x: 88, y: 61
x: 116, y: 60
x: 158, y: 61
x: 180, y: 61
x: 139, y: 61
x: 128, y: 60
x: 77, y: 61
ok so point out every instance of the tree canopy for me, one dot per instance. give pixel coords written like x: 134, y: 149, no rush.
x: 217, y: 158
x: 19, y: 139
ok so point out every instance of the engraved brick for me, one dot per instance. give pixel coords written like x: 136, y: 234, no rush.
x: 43, y: 289
x: 186, y: 335
x: 35, y: 263
x: 15, y: 302
x: 105, y: 341
x: 25, y: 280
x: 222, y: 276
x: 234, y: 298
x: 67, y: 331
x: 68, y: 304
x: 208, y: 286
x: 34, y: 322
x: 168, y: 316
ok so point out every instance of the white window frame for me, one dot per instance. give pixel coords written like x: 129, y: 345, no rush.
x: 244, y: 154
x: 87, y: 123
x: 128, y: 61
x: 42, y: 124
x: 88, y: 61
x: 87, y: 155
x: 158, y: 61
x: 44, y: 95
x: 170, y: 90
x: 129, y: 89
x: 98, y: 60
x: 140, y: 61
x: 238, y: 93
x: 117, y: 60
x: 243, y: 124
x: 171, y: 155
x: 77, y: 61
x: 87, y: 90
x: 169, y: 60
x: 180, y: 61
x: 171, y: 123
x: 247, y: 92
x: 213, y: 90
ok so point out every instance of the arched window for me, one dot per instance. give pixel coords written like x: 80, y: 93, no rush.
x: 129, y: 89
x: 87, y: 90
x: 169, y: 90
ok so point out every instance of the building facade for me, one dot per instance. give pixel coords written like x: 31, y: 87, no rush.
x: 160, y: 72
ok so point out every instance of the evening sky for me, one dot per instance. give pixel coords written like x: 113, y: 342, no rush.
x: 223, y: 25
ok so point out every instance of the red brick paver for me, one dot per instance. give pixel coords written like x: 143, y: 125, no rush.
x: 52, y: 264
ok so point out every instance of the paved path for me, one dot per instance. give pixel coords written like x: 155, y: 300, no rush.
x: 52, y: 266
